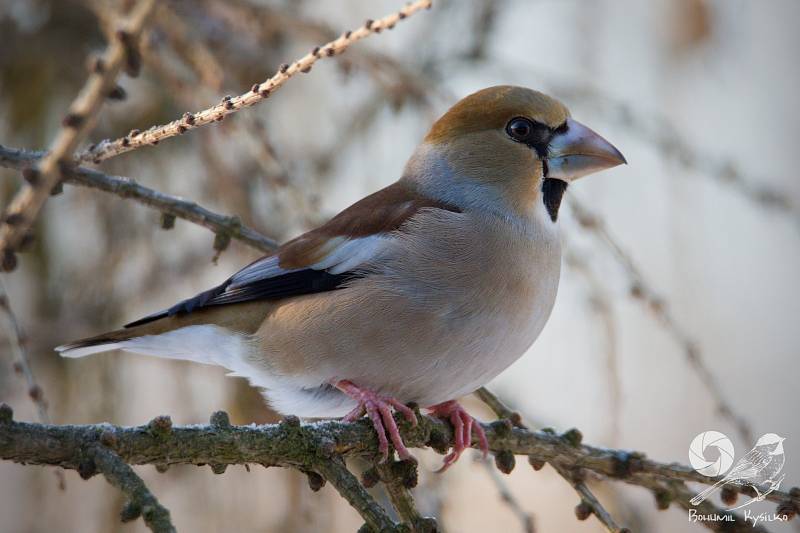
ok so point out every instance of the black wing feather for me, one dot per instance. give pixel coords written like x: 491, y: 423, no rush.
x: 297, y: 283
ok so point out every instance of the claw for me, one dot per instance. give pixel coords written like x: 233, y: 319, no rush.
x: 379, y: 410
x: 463, y: 427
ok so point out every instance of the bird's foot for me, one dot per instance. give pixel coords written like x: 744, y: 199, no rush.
x: 463, y: 425
x: 379, y: 409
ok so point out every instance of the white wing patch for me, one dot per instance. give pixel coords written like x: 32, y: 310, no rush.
x: 265, y: 268
x: 343, y: 254
x: 351, y: 253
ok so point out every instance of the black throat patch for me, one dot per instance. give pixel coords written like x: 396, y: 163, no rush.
x: 552, y: 193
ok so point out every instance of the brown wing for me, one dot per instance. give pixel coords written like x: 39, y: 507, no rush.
x: 322, y: 259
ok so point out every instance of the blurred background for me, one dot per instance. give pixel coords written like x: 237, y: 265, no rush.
x: 700, y: 95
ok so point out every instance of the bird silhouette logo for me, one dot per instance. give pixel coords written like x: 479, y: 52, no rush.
x: 760, y: 468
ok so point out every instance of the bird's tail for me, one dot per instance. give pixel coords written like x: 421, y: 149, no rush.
x: 98, y: 344
x: 210, y: 336
x: 703, y: 496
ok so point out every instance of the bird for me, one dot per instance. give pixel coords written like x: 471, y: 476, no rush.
x: 419, y: 293
x: 758, y: 468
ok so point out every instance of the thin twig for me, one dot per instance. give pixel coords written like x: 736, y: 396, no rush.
x: 499, y: 408
x: 570, y: 475
x: 589, y: 502
x: 334, y: 471
x: 508, y: 497
x: 396, y: 80
x: 229, y: 227
x: 601, y: 304
x: 24, y: 208
x: 141, y: 500
x: 258, y: 93
x: 662, y: 135
x: 642, y: 290
x: 17, y: 341
x: 193, y: 51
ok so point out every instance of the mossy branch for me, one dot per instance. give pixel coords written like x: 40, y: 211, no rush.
x: 321, y: 447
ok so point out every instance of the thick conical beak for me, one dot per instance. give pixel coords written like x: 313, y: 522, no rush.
x: 578, y: 152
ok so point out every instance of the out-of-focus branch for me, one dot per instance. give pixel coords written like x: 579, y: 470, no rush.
x: 258, y: 93
x: 121, y: 53
x: 225, y: 227
x: 642, y: 290
x: 601, y: 303
x: 141, y: 501
x: 589, y: 503
x: 508, y: 497
x: 309, y: 446
x: 663, y: 136
x: 22, y: 364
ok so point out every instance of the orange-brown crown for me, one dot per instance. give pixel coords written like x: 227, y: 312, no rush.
x: 492, y: 108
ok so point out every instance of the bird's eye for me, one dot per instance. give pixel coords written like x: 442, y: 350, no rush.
x: 520, y: 129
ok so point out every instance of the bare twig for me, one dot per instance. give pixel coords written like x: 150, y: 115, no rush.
x: 228, y: 227
x: 24, y: 208
x: 662, y: 135
x: 499, y: 408
x: 397, y: 81
x: 601, y: 304
x: 258, y: 93
x: 17, y: 342
x: 508, y: 497
x: 141, y: 501
x: 334, y: 470
x: 642, y: 290
x: 589, y: 502
x: 192, y: 51
x: 22, y: 364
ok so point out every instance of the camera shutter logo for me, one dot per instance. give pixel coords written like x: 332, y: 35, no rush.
x: 711, y: 453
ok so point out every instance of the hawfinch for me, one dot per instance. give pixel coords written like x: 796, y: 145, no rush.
x: 421, y: 292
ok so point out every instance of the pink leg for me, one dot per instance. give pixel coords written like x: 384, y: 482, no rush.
x: 379, y: 410
x: 463, y: 426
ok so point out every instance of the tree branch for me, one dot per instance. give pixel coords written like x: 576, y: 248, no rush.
x: 258, y: 93
x: 334, y: 470
x: 141, y: 500
x: 311, y: 446
x: 226, y: 227
x: 398, y: 477
x: 589, y: 503
x: 24, y: 208
x: 22, y: 365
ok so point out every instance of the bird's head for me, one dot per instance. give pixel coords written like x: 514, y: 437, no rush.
x: 771, y: 442
x: 504, y: 147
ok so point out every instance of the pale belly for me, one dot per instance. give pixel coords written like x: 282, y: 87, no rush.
x: 433, y: 325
